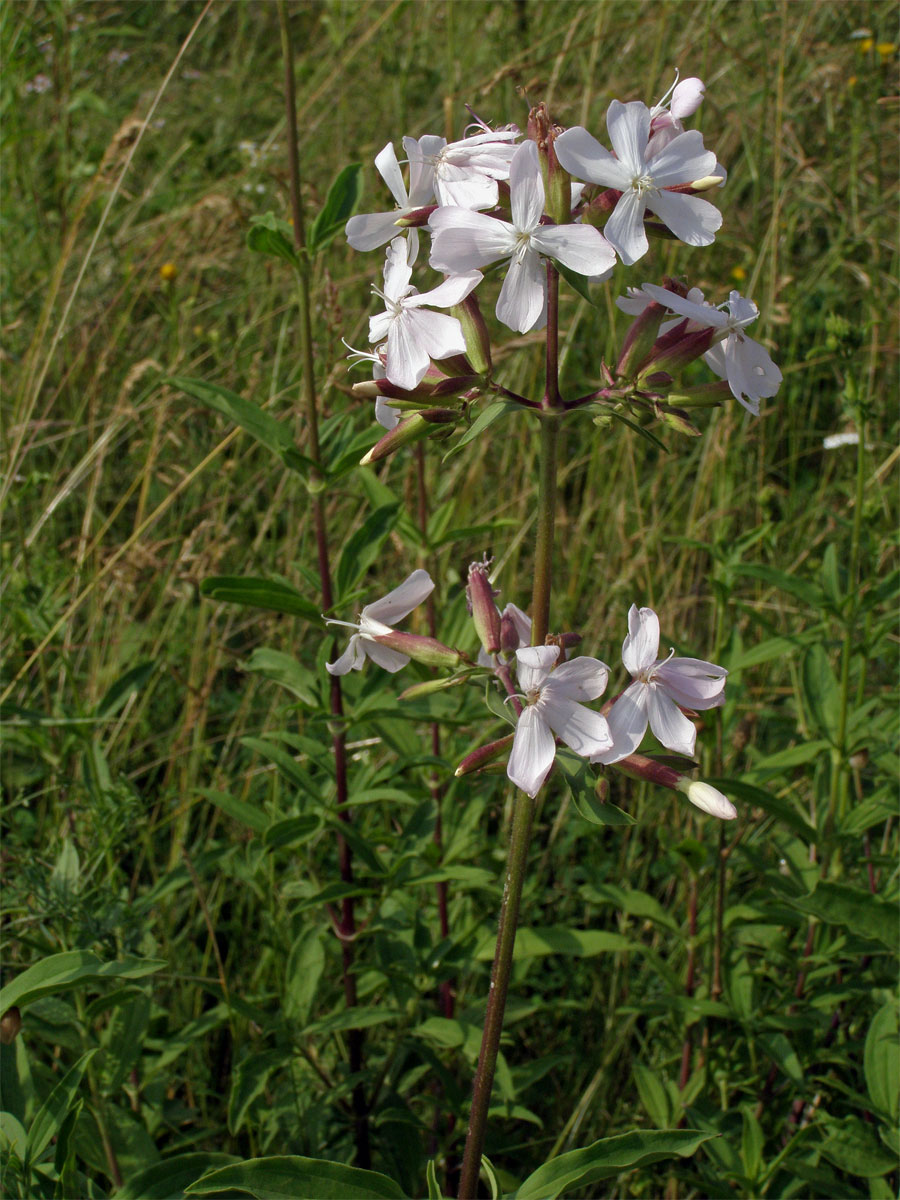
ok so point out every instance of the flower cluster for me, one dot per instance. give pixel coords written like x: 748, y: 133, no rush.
x: 554, y: 690
x: 493, y: 199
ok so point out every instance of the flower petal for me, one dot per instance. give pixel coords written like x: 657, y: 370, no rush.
x: 407, y: 358
x: 533, y: 752
x: 683, y: 160
x: 369, y: 230
x: 439, y: 334
x: 702, y: 314
x: 579, y: 679
x: 522, y: 303
x: 583, y: 730
x: 669, y: 724
x: 581, y: 155
x: 389, y: 169
x: 627, y: 721
x: 691, y: 682
x: 462, y: 240
x: 581, y: 248
x: 641, y: 646
x: 692, y: 220
x: 402, y: 600
x: 385, y: 657
x: 421, y: 155
x: 534, y: 664
x: 351, y: 660
x: 625, y: 228
x: 526, y: 188
x: 686, y: 97
x: 629, y: 132
x: 452, y: 291
x: 750, y: 370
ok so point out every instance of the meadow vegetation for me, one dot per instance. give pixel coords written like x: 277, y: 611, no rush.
x: 166, y: 776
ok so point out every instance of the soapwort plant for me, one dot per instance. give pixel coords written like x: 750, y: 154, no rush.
x: 535, y: 209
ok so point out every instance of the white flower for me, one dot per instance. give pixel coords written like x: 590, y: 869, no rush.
x: 462, y: 240
x: 376, y: 620
x: 368, y: 230
x: 385, y: 414
x: 553, y: 707
x: 466, y: 172
x: 643, y: 177
x: 661, y: 688
x: 414, y: 337
x: 708, y: 798
x: 747, y: 366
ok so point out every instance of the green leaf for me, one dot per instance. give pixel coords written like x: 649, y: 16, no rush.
x: 270, y: 594
x: 434, y: 1189
x: 284, y: 669
x: 635, y: 428
x: 807, y: 592
x: 290, y: 1177
x: 775, y: 806
x: 353, y: 1018
x: 486, y: 417
x: 168, y: 1179
x: 248, y: 1080
x: 292, y: 831
x: 238, y: 810
x: 783, y: 1054
x: 865, y: 915
x: 53, y: 1111
x: 270, y: 235
x: 654, y: 1096
x: 126, y: 685
x: 305, y: 965
x: 578, y: 283
x: 63, y: 972
x: 340, y: 204
x: 261, y: 425
x: 607, y: 1158
x: 881, y: 1061
x: 630, y: 901
x: 821, y: 692
x: 558, y: 939
x: 364, y: 546
x: 853, y: 1147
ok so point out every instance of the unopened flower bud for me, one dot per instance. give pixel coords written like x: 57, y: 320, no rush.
x: 484, y: 755
x: 410, y: 429
x: 707, y: 183
x: 480, y: 596
x: 475, y: 331
x: 509, y: 634
x: 702, y: 395
x: 639, y: 340
x: 426, y: 650
x: 678, y: 421
x: 707, y: 798
x: 674, y: 350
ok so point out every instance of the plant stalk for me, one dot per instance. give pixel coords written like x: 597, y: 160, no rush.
x: 523, y: 812
x: 346, y: 930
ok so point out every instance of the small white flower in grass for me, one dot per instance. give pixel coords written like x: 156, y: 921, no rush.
x: 462, y: 240
x: 385, y: 415
x: 466, y: 172
x: 553, y: 695
x: 376, y: 620
x: 747, y: 365
x: 661, y: 688
x: 413, y: 335
x: 369, y: 230
x: 643, y: 178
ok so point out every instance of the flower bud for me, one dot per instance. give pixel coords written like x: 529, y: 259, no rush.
x: 426, y: 650
x: 557, y: 181
x: 10, y: 1024
x: 640, y: 339
x: 480, y: 597
x: 418, y: 217
x: 484, y: 755
x: 707, y: 798
x: 702, y: 395
x: 475, y: 331
x: 410, y: 429
x: 509, y: 634
x: 674, y: 350
x: 678, y: 421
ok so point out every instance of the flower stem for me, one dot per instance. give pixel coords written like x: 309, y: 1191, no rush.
x: 523, y: 811
x: 493, y: 1020
x: 346, y: 928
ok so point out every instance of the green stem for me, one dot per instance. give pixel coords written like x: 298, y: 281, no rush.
x: 346, y: 928
x: 516, y: 862
x: 523, y: 812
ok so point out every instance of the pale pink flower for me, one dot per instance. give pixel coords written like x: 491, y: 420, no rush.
x: 376, y: 620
